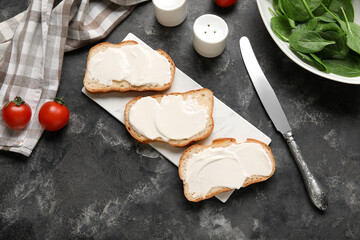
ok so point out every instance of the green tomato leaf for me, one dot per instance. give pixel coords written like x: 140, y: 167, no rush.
x: 308, y: 42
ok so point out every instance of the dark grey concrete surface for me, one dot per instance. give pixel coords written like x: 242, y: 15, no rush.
x: 91, y: 180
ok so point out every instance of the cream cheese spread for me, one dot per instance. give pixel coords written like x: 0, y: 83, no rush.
x: 226, y: 167
x: 172, y: 118
x: 135, y: 64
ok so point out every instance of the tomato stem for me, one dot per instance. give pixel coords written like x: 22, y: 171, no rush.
x: 17, y: 100
x: 59, y: 100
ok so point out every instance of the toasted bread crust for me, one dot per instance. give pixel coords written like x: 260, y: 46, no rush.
x: 177, y: 143
x: 123, y: 86
x: 221, y: 142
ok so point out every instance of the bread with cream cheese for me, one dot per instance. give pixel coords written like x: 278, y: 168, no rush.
x: 123, y: 86
x: 204, y: 98
x: 219, y: 143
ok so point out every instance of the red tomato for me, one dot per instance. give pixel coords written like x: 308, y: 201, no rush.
x: 225, y: 3
x: 16, y: 114
x: 54, y: 115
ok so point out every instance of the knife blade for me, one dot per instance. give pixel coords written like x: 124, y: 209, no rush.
x: 274, y: 110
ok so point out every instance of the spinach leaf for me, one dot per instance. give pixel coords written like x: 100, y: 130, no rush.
x: 353, y: 37
x: 336, y: 51
x: 320, y: 10
x: 321, y: 33
x: 309, y: 25
x: 322, y: 27
x: 318, y: 60
x: 352, y: 31
x: 276, y: 5
x: 336, y: 5
x: 326, y: 17
x: 341, y: 22
x: 280, y: 6
x: 309, y: 60
x: 349, y: 67
x: 272, y: 12
x: 308, y: 41
x: 283, y: 15
x: 299, y: 10
x: 333, y: 35
x: 281, y: 28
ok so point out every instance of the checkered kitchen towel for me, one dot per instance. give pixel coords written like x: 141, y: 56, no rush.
x: 32, y: 46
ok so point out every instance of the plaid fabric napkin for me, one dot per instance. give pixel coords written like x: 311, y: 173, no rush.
x: 32, y: 46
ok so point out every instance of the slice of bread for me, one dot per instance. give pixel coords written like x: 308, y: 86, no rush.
x: 219, y: 143
x: 122, y: 86
x: 203, y: 96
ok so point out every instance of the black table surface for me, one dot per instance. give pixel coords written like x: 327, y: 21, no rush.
x: 92, y: 180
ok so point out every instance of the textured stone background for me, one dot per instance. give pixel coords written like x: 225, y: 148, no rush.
x: 91, y: 180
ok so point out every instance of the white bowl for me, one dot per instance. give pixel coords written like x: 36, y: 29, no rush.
x: 264, y: 6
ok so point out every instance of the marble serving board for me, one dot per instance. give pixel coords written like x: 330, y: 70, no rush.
x: 227, y: 123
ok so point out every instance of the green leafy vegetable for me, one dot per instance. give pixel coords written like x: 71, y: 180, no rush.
x: 320, y: 10
x: 276, y: 5
x: 321, y: 33
x: 353, y: 36
x: 340, y: 50
x: 299, y: 10
x: 309, y: 60
x: 352, y: 31
x: 283, y: 15
x: 310, y: 25
x: 349, y: 67
x: 323, y: 27
x: 281, y: 28
x: 354, y: 40
x: 308, y: 41
x: 318, y: 60
x: 336, y: 5
x: 326, y: 17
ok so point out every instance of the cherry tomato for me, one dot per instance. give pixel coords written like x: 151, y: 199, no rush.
x: 54, y: 115
x: 225, y: 3
x: 16, y: 114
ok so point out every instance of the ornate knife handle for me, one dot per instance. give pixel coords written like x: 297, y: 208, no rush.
x: 315, y: 190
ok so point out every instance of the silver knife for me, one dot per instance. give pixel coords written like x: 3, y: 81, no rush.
x: 273, y: 108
